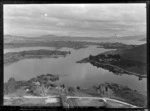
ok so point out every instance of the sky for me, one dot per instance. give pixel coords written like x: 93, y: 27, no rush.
x: 80, y: 20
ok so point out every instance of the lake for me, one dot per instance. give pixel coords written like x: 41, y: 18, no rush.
x: 72, y: 73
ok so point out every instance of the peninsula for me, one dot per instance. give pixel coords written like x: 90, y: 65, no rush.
x: 130, y: 61
x: 12, y: 57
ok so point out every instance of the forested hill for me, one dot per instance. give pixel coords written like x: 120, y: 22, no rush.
x: 138, y: 53
x: 131, y: 59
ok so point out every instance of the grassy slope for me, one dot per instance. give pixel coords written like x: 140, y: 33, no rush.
x: 135, y: 54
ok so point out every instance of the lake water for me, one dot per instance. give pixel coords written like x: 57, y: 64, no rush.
x: 73, y: 74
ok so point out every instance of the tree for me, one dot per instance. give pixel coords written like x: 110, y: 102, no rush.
x: 63, y: 86
x: 39, y: 90
x: 117, y: 56
x: 44, y: 90
x: 78, y: 87
x: 102, y: 56
x: 5, y: 88
x: 71, y: 89
x: 109, y: 56
x: 69, y: 52
x: 90, y: 57
x: 11, y: 85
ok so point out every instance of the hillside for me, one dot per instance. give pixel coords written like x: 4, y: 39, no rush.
x: 133, y: 59
x: 10, y: 38
x: 135, y: 54
x: 126, y: 61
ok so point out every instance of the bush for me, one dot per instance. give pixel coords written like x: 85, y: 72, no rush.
x: 71, y: 89
x: 78, y: 87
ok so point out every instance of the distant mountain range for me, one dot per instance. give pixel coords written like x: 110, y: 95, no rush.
x: 10, y: 38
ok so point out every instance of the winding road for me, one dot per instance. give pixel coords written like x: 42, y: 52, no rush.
x: 72, y: 103
x: 104, y: 99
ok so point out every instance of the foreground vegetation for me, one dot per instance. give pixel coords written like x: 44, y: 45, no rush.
x: 118, y: 92
x: 36, y: 85
x: 12, y: 57
x: 46, y: 85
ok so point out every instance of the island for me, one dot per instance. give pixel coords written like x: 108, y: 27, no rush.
x: 130, y: 61
x: 12, y: 57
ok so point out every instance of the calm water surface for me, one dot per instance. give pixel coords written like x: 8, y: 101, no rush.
x: 73, y: 74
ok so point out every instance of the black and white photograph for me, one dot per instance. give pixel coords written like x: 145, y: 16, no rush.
x: 75, y: 55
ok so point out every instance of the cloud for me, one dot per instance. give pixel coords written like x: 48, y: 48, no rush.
x: 76, y: 19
